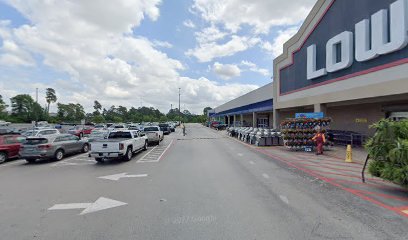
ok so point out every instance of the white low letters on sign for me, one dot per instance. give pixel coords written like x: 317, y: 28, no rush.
x: 385, y: 37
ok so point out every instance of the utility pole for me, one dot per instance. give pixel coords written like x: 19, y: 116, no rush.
x: 179, y: 107
x: 36, y: 95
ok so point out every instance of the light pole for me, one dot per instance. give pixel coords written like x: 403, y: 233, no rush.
x: 179, y: 107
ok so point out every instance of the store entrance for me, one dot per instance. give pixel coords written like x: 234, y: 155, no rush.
x: 263, y: 122
x: 398, y: 116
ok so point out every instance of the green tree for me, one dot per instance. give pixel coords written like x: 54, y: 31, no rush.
x: 3, y: 107
x: 79, y: 112
x: 50, y: 97
x: 25, y: 109
x: 71, y: 112
x: 206, y: 109
x: 98, y: 119
x: 98, y: 107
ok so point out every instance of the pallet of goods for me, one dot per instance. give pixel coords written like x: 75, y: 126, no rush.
x: 298, y: 132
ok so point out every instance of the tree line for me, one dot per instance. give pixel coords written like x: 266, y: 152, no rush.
x: 24, y: 109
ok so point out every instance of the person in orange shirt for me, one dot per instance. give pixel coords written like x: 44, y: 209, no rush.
x: 319, y: 139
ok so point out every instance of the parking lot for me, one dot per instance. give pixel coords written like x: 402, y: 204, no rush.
x: 204, y: 185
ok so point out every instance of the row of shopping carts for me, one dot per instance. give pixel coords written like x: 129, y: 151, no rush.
x: 257, y: 136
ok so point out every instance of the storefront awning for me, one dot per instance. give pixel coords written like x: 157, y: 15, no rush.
x: 250, y: 108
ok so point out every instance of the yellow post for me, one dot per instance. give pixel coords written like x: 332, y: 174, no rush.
x: 349, y: 154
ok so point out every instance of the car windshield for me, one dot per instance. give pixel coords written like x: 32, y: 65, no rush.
x: 30, y: 133
x: 150, y: 129
x: 35, y: 141
x: 120, y: 135
x: 119, y: 126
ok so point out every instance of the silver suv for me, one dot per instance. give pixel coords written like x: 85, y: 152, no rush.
x: 54, y: 147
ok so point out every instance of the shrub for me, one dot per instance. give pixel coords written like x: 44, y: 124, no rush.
x: 389, y: 150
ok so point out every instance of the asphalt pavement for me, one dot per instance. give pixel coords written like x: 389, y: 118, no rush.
x: 200, y: 186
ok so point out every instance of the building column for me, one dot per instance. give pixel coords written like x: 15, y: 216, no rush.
x: 320, y: 107
x: 242, y: 120
x: 254, y: 125
x: 233, y: 124
x: 276, y: 119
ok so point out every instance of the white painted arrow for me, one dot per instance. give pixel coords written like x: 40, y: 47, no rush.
x: 116, y: 177
x: 100, y: 204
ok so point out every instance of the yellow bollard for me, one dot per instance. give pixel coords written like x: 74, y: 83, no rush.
x: 349, y: 154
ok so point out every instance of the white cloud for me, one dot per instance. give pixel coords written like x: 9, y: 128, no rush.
x: 261, y: 15
x: 254, y: 68
x: 103, y: 61
x: 276, y: 48
x: 10, y: 53
x: 209, y: 34
x: 207, y: 51
x: 162, y: 44
x: 188, y: 23
x: 226, y: 71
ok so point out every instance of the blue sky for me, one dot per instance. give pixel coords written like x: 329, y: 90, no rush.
x: 124, y: 52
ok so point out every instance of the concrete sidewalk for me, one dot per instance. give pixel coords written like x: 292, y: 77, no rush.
x: 359, y: 153
x: 332, y: 168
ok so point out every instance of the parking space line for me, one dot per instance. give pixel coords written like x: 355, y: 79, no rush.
x: 155, y: 154
x: 171, y: 143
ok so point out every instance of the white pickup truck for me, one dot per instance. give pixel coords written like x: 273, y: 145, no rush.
x: 119, y: 144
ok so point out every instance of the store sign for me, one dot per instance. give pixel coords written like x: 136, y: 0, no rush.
x: 361, y: 120
x: 352, y: 38
x: 384, y: 33
x: 310, y: 115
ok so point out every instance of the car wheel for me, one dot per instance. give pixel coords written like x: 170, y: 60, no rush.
x: 158, y: 143
x: 128, y: 155
x: 99, y: 160
x: 85, y: 148
x: 30, y: 160
x: 145, y: 146
x: 3, y: 157
x: 59, y: 155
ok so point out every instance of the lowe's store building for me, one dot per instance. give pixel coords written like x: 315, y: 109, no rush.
x: 348, y: 61
x: 253, y: 109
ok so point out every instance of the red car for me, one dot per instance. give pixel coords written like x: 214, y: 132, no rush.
x: 10, y: 146
x: 80, y: 131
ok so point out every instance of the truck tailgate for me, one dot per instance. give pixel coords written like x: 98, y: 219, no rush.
x: 105, y: 147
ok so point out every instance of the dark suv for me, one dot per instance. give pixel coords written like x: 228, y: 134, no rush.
x: 165, y: 128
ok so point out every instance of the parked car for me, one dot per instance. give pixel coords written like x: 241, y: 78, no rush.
x: 100, y: 126
x: 119, y: 144
x: 4, y: 123
x: 53, y: 147
x: 165, y: 128
x: 98, y: 134
x: 118, y: 126
x: 38, y: 132
x: 10, y: 146
x: 154, y: 134
x: 172, y: 126
x: 80, y: 131
x: 135, y: 127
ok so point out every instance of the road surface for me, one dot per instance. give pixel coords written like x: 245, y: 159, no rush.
x: 201, y: 186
